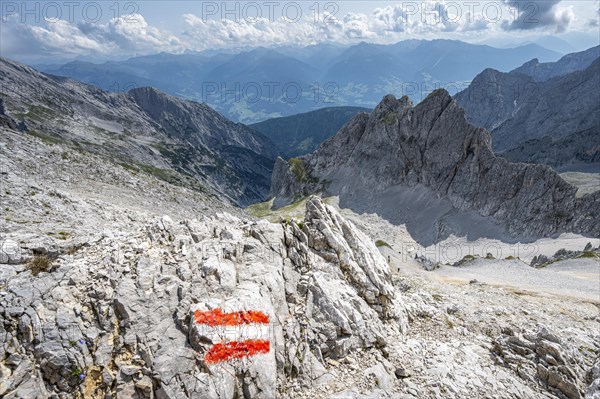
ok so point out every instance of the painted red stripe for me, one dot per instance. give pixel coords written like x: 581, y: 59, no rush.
x: 223, y: 352
x: 216, y: 317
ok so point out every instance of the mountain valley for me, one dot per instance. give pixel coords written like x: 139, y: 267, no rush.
x: 263, y: 83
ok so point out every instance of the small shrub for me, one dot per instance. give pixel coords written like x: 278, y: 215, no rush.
x: 72, y: 250
x: 297, y: 167
x: 381, y: 243
x: 40, y: 263
x: 588, y: 254
x: 467, y: 258
x: 301, y: 225
x: 389, y: 118
x: 61, y: 235
x: 64, y: 155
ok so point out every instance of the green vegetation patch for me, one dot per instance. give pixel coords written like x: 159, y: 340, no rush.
x: 297, y: 168
x: 389, y: 118
x: 588, y: 254
x: 381, y: 243
x: 40, y: 113
x: 45, y: 138
x: 261, y: 209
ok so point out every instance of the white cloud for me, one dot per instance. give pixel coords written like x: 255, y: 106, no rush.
x: 120, y: 36
x: 383, y: 24
x: 133, y: 35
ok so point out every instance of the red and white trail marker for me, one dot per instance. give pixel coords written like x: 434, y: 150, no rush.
x: 240, y: 334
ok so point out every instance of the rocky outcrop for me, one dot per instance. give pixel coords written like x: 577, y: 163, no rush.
x: 424, y: 165
x: 117, y: 318
x: 181, y: 142
x: 588, y: 252
x: 101, y: 295
x: 544, y: 358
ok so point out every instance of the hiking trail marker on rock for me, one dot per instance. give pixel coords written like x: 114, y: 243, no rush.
x: 237, y: 334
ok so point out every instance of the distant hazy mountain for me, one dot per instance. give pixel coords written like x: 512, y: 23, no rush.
x: 301, y: 134
x: 537, y: 109
x: 427, y: 63
x: 569, y: 63
x: 261, y: 83
x: 556, y: 44
x: 179, y: 141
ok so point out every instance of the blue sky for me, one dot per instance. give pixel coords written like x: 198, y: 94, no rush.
x: 55, y: 31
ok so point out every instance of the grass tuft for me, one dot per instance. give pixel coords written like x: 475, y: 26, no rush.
x: 39, y: 263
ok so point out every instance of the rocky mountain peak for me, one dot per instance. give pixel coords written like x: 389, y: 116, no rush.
x: 539, y: 101
x: 533, y: 62
x: 390, y: 102
x: 401, y: 155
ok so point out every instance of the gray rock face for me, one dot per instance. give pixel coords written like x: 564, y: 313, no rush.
x: 179, y: 141
x: 565, y: 153
x: 545, y: 115
x: 123, y: 325
x: 544, y: 358
x: 389, y: 161
x: 559, y: 107
x: 494, y: 97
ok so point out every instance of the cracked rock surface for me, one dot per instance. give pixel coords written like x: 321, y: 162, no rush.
x: 113, y: 313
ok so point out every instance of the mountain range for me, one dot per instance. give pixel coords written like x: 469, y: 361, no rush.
x: 263, y: 83
x: 544, y: 102
x: 398, y: 152
x: 142, y: 129
x: 129, y: 270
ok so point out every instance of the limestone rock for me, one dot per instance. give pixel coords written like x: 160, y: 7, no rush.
x: 544, y: 358
x: 426, y: 166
